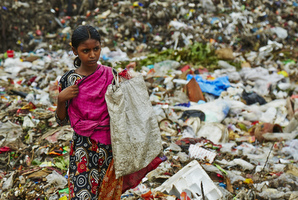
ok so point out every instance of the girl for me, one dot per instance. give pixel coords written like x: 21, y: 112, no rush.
x: 81, y: 101
x: 91, y: 151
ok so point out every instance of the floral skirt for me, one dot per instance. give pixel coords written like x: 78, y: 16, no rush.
x: 89, y: 162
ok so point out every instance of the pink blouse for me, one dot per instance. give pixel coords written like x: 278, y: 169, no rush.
x: 88, y: 112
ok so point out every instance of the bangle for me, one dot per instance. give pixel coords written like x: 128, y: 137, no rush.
x: 59, y: 121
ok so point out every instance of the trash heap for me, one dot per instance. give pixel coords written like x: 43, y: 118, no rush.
x: 138, y: 26
x: 222, y: 81
x: 227, y: 133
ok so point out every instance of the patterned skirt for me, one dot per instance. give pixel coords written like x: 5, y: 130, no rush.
x: 88, y: 166
x: 92, y: 174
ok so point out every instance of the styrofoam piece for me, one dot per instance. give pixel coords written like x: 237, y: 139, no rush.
x: 201, y: 153
x: 189, y: 179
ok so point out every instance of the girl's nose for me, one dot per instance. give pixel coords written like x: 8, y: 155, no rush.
x: 92, y: 54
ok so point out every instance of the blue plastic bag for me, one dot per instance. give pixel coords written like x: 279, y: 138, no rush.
x: 214, y: 87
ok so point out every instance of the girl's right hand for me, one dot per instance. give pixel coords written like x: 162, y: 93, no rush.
x: 68, y: 93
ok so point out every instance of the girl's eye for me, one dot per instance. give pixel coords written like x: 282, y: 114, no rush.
x: 96, y: 49
x: 85, y: 50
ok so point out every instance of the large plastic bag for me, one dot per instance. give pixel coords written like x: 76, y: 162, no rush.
x: 135, y: 135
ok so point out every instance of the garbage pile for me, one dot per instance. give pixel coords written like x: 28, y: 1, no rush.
x: 138, y: 26
x: 222, y: 82
x: 223, y: 137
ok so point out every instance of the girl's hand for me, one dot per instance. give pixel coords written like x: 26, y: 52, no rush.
x: 68, y: 93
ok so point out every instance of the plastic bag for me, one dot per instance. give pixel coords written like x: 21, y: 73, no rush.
x: 244, y: 164
x: 291, y: 148
x: 9, y: 182
x: 10, y: 131
x: 280, y: 32
x: 269, y: 115
x: 215, y: 111
x: 134, y: 126
x: 252, y: 98
x: 56, y: 179
x: 216, y: 132
x: 214, y: 87
x: 208, y: 5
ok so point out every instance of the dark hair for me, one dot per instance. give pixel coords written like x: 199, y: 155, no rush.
x: 81, y: 34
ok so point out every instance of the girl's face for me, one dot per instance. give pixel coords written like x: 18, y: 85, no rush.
x: 88, y: 52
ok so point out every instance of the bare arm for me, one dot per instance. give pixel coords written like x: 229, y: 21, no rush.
x: 65, y: 95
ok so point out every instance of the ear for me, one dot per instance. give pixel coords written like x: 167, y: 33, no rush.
x: 74, y: 51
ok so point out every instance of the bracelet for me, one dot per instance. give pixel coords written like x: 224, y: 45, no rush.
x: 59, y: 121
